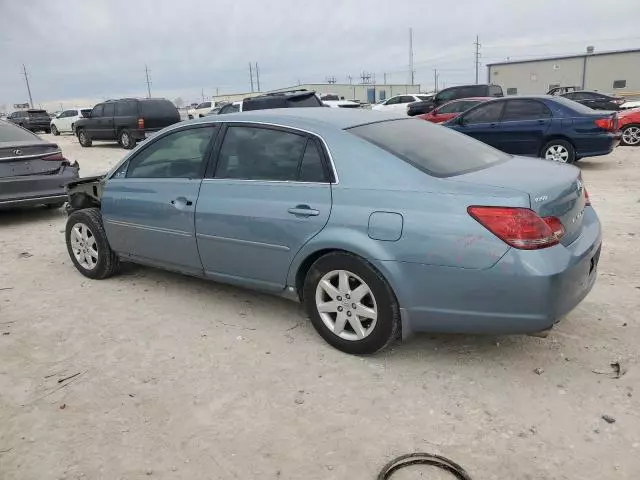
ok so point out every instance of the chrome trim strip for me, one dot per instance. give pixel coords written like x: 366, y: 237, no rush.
x: 147, y: 227
x: 26, y: 157
x: 282, y: 248
x: 27, y: 199
x: 292, y: 182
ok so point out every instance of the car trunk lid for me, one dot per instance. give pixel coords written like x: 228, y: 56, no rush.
x: 554, y: 189
x: 29, y: 158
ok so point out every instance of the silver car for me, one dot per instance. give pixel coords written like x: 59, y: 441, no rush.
x: 382, y: 226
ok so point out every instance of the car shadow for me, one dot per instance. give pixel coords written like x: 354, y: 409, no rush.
x: 23, y: 215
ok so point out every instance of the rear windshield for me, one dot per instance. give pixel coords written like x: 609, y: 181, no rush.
x: 309, y: 100
x: 329, y: 97
x: 85, y: 112
x: 495, y: 91
x: 575, y: 106
x: 425, y: 98
x: 158, y: 108
x: 38, y: 113
x: 11, y: 133
x: 436, y: 150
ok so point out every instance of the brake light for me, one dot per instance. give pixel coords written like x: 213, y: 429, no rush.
x: 54, y: 156
x: 520, y: 228
x: 141, y: 123
x: 606, y: 124
x: 586, y: 197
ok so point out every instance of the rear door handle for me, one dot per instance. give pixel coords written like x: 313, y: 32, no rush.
x: 181, y: 202
x: 304, y: 211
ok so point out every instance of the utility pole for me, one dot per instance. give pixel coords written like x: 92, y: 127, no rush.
x: 26, y: 79
x: 217, y: 91
x: 411, y: 72
x: 331, y: 80
x: 384, y: 75
x: 477, y: 44
x: 202, y: 94
x: 257, y: 76
x: 251, y: 76
x: 350, y: 78
x: 146, y: 72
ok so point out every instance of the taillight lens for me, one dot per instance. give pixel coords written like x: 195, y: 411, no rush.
x: 586, y: 197
x: 54, y: 156
x: 606, y: 124
x: 141, y: 123
x: 521, y: 228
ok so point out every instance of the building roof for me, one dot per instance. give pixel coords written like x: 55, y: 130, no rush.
x: 306, y: 117
x: 563, y: 57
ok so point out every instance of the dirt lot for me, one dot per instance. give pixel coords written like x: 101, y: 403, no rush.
x: 178, y: 378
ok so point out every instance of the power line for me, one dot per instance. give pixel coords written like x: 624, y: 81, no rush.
x: 146, y: 72
x: 26, y: 79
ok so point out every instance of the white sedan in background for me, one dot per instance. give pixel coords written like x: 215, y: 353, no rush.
x: 334, y: 101
x: 65, y: 120
x: 399, y: 102
x: 201, y: 110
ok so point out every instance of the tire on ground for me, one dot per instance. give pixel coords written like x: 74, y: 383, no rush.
x: 108, y: 263
x: 387, y: 328
x: 561, y: 143
x: 83, y: 138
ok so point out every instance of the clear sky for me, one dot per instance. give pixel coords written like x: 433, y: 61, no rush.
x: 81, y: 51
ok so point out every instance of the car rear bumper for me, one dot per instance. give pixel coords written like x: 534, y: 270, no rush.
x: 36, y: 189
x: 38, y: 126
x: 596, y: 145
x: 524, y: 292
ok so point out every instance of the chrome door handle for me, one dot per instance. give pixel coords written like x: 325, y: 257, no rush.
x: 181, y: 202
x: 304, y: 211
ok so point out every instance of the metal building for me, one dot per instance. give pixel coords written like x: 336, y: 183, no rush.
x: 615, y: 72
x: 369, y: 93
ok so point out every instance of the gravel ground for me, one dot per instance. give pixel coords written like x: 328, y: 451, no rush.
x: 179, y: 378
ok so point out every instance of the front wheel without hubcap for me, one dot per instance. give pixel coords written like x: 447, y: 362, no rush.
x: 559, y: 151
x: 631, y: 135
x: 350, y: 304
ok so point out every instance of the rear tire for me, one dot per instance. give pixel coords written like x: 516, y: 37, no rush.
x: 88, y: 246
x: 83, y: 138
x: 125, y: 139
x: 47, y: 130
x: 54, y: 130
x: 559, y: 151
x: 631, y: 135
x: 359, y: 315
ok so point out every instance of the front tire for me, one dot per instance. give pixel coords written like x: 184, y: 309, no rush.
x: 350, y: 304
x: 88, y: 246
x: 631, y: 135
x: 559, y: 151
x: 125, y: 139
x: 83, y: 138
x: 54, y: 130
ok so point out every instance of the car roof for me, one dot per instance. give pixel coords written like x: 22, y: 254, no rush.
x: 310, y: 117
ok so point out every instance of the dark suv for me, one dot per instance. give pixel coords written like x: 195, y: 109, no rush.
x: 454, y: 93
x: 127, y: 120
x: 32, y: 120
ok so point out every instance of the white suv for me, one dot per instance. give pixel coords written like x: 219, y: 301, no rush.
x: 65, y: 120
x: 399, y: 102
x: 201, y: 110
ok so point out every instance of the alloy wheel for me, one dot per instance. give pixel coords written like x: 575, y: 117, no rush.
x: 125, y: 139
x: 557, y: 153
x: 84, y: 246
x: 631, y: 135
x: 346, y: 305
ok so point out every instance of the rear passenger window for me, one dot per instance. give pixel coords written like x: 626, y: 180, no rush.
x: 525, y: 110
x: 177, y: 155
x: 254, y: 153
x: 126, y: 109
x: 311, y: 168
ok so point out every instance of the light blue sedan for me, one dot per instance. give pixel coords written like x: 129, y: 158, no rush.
x: 382, y: 226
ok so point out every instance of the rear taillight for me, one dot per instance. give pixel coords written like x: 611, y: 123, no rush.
x: 606, y: 124
x: 521, y: 228
x: 619, y: 101
x: 141, y: 123
x: 54, y: 156
x: 586, y: 197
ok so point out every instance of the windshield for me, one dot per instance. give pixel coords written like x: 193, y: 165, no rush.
x: 11, y: 133
x: 329, y: 98
x: 435, y: 150
x: 85, y: 112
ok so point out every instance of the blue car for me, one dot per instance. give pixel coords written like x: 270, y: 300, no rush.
x: 382, y: 226
x: 554, y: 128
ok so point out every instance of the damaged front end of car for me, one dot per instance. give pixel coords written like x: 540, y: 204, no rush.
x: 85, y: 193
